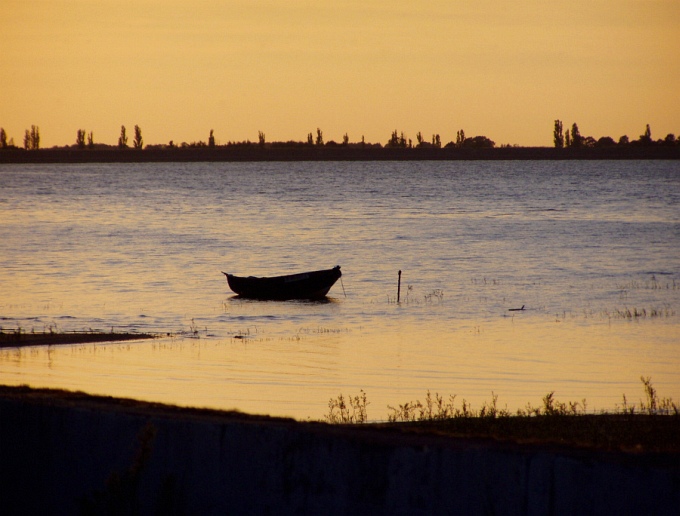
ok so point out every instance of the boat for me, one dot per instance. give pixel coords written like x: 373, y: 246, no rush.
x: 306, y: 285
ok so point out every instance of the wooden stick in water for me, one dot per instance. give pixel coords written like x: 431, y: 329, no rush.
x: 399, y: 287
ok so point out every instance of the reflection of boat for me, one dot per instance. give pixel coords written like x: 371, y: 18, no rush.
x: 307, y: 285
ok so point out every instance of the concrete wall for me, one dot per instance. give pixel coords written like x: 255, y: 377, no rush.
x: 66, y: 457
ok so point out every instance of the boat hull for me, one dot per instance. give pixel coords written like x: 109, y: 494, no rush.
x: 306, y: 285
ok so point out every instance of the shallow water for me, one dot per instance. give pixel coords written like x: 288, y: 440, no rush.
x: 140, y: 248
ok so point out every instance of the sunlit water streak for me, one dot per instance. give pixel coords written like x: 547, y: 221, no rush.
x: 140, y: 248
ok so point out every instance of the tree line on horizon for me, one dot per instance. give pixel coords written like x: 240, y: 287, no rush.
x: 569, y: 138
x: 572, y: 138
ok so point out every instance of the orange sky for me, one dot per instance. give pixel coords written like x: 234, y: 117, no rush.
x: 505, y: 69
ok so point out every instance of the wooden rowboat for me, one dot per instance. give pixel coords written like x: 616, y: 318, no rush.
x: 306, y: 285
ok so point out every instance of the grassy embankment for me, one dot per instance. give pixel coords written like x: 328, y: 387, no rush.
x: 651, y: 425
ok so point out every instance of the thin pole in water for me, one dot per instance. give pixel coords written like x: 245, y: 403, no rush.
x: 399, y: 287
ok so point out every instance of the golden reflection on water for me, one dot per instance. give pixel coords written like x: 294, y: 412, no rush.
x: 295, y: 373
x: 141, y: 247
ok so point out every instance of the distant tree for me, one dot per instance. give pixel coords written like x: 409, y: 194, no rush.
x: 558, y: 135
x: 261, y: 138
x: 460, y: 138
x: 589, y: 141
x: 668, y: 140
x: 345, y: 140
x: 576, y: 138
x: 363, y: 141
x: 397, y: 140
x: 122, y: 139
x: 32, y: 138
x: 605, y: 141
x: 3, y: 138
x: 624, y: 140
x: 567, y: 139
x: 436, y: 141
x: 139, y: 141
x: 90, y: 140
x: 80, y: 138
x: 211, y: 139
x: 478, y: 142
x: 419, y: 138
x: 646, y: 139
x: 319, y: 136
x: 35, y: 137
x: 310, y: 139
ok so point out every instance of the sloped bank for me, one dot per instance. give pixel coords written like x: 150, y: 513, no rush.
x: 61, y: 453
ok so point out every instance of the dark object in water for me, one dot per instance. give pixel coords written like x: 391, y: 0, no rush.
x: 516, y: 309
x: 306, y: 285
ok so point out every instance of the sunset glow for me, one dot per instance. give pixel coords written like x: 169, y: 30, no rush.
x: 498, y: 68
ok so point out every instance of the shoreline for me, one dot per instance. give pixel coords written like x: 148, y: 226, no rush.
x: 627, y: 434
x: 255, y: 153
x: 77, y: 451
x: 18, y: 339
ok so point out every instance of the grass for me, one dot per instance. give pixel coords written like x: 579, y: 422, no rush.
x: 653, y: 424
x: 436, y: 296
x: 351, y: 411
x: 651, y: 284
x: 641, y: 313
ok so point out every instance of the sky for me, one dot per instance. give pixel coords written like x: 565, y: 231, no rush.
x: 505, y: 69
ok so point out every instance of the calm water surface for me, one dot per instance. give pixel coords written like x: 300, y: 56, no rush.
x: 140, y: 248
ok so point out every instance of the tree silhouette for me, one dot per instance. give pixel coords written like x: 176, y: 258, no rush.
x: 35, y: 137
x: 576, y: 138
x: 261, y: 138
x: 397, y: 140
x: 310, y: 139
x: 345, y: 140
x: 139, y: 141
x: 3, y: 138
x: 646, y: 139
x: 319, y: 136
x: 32, y: 138
x: 122, y: 139
x: 478, y: 142
x: 211, y: 139
x: 606, y: 141
x: 80, y: 138
x: 460, y: 138
x: 558, y: 135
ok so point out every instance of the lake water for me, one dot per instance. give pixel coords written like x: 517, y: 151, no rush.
x: 140, y: 247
